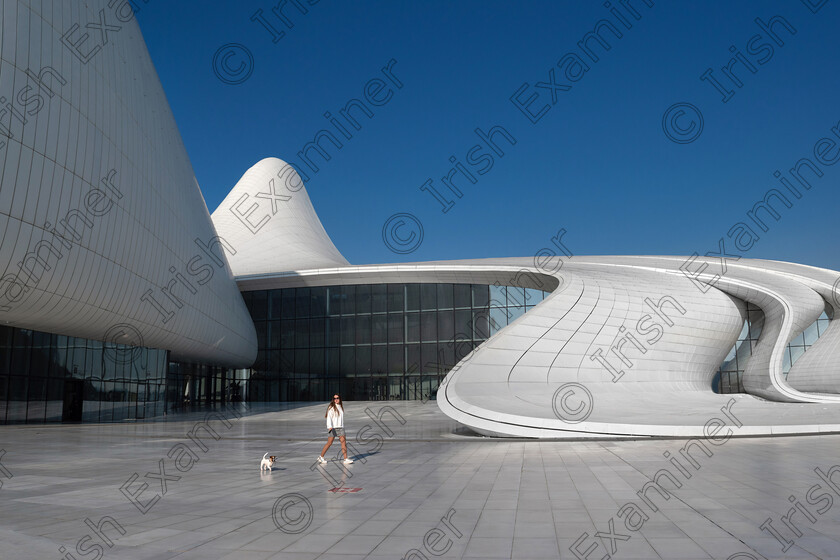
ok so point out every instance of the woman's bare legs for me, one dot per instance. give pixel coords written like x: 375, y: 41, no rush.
x: 329, y: 442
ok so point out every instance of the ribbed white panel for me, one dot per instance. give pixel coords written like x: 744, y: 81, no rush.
x: 101, y: 155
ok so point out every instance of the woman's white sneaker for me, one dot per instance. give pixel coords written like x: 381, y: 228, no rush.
x: 348, y: 461
x: 322, y: 460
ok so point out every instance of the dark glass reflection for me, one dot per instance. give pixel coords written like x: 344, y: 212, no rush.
x: 376, y: 341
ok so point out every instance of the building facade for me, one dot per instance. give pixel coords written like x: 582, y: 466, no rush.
x: 121, y: 297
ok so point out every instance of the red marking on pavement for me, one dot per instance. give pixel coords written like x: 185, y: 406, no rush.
x: 345, y: 490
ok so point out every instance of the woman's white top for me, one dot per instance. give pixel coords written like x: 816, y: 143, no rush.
x: 335, y: 417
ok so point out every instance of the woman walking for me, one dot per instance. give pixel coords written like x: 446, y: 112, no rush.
x: 335, y: 427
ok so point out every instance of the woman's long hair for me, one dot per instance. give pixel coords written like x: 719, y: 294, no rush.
x: 332, y: 405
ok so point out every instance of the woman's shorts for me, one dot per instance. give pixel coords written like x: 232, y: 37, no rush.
x: 336, y: 432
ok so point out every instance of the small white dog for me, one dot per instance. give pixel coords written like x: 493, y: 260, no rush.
x: 267, y: 462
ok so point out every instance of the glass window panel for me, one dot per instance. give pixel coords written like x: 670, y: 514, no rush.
x: 515, y: 296
x: 429, y: 358
x: 348, y: 360
x: 272, y: 361
x: 461, y: 349
x: 446, y: 356
x: 481, y: 323
x: 413, y: 388
x: 533, y: 297
x: 412, y: 358
x: 302, y: 333
x: 301, y: 361
x: 21, y: 352
x: 434, y: 383
x: 395, y: 388
x: 246, y: 297
x: 445, y: 296
x: 481, y: 295
x: 262, y: 335
x: 17, y: 388
x: 5, y: 350
x: 446, y: 325
x: 811, y: 334
x: 463, y: 296
x: 40, y: 363
x: 412, y: 297
x: 348, y: 331
x: 37, y: 399
x: 363, y: 357
x: 515, y: 313
x: 396, y: 297
x: 317, y: 328
x: 428, y: 326
x: 463, y: 324
x: 334, y: 301
x: 287, y: 334
x: 275, y: 331
x: 55, y: 400
x: 348, y: 300
x: 731, y: 355
x: 742, y: 353
x: 91, y: 396
x: 498, y: 296
x: 396, y: 327
x: 333, y: 334
x: 379, y: 297
x: 379, y: 359
x: 822, y: 325
x: 275, y: 304
x: 428, y: 296
x: 301, y: 302
x: 259, y: 305
x: 786, y: 361
x: 745, y: 331
x: 412, y: 327
x: 396, y: 358
x: 498, y: 319
x: 259, y: 364
x: 318, y: 302
x: 287, y: 296
x: 363, y: 329
x: 379, y: 329
x: 59, y: 358
x: 93, y: 360
x: 795, y: 353
x: 317, y: 362
x: 333, y: 362
x: 363, y: 299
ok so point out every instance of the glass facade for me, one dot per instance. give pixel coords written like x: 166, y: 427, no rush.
x: 728, y: 379
x: 365, y: 341
x: 371, y: 341
x: 52, y: 378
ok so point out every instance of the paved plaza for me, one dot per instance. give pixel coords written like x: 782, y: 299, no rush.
x: 420, y: 487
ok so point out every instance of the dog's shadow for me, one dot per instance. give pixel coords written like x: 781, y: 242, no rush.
x: 275, y: 469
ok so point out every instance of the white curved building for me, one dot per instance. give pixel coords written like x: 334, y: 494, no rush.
x: 269, y: 221
x: 616, y: 346
x: 119, y: 293
x: 102, y: 220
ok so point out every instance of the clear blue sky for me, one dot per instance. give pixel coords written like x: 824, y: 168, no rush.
x: 597, y: 163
